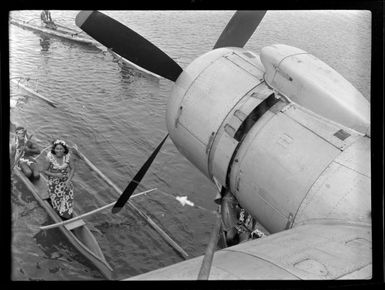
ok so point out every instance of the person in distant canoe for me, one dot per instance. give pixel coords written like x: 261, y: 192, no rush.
x: 60, y: 168
x: 22, y: 152
x: 46, y: 18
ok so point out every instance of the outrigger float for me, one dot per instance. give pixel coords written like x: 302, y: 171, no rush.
x: 61, y: 32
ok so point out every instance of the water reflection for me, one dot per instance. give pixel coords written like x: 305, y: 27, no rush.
x: 127, y: 74
x: 127, y: 70
x: 17, y: 101
x: 114, y: 131
x: 44, y: 42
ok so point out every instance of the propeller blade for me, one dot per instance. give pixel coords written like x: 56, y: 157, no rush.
x: 128, y: 44
x: 240, y: 28
x: 136, y: 180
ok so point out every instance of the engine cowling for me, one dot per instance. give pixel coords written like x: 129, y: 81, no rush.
x: 277, y: 152
x: 209, y: 89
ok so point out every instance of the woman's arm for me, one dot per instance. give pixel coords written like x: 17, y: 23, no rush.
x: 72, y: 172
x: 45, y: 169
x: 72, y: 166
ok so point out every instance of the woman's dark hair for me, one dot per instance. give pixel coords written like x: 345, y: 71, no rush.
x: 64, y: 146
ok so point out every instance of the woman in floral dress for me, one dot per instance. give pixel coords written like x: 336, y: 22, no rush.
x: 60, y: 168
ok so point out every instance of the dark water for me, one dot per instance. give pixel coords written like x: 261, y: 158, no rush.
x: 116, y: 116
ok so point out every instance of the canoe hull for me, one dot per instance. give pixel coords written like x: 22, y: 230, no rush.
x: 57, y: 33
x: 81, y: 237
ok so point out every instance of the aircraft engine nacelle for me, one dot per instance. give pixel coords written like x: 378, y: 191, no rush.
x: 222, y: 81
x: 285, y: 163
x: 311, y: 83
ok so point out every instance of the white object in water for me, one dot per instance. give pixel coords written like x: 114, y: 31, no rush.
x: 183, y: 200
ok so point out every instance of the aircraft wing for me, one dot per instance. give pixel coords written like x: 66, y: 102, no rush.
x: 320, y: 250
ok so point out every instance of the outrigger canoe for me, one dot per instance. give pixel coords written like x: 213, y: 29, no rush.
x: 75, y: 229
x: 77, y: 232
x: 61, y: 33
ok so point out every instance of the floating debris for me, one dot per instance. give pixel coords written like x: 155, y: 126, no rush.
x: 183, y: 200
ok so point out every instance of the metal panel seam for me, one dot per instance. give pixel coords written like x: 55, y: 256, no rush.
x: 246, y: 60
x: 277, y: 210
x: 264, y: 259
x: 197, y: 76
x: 224, y: 270
x: 222, y: 125
x: 307, y: 193
x: 192, y: 134
x: 276, y: 67
x: 353, y: 272
x: 334, y: 222
x: 351, y: 169
x: 314, y: 132
x: 262, y: 72
x: 290, y: 56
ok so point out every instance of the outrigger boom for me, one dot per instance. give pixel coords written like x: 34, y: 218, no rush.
x: 36, y: 94
x: 164, y: 235
x: 88, y: 213
x: 76, y: 229
x: 79, y: 235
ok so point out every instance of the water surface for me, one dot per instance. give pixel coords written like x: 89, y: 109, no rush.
x: 116, y: 116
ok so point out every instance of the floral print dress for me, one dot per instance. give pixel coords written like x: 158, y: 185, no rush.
x: 61, y: 196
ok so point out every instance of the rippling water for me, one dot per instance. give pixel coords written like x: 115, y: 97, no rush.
x: 116, y: 115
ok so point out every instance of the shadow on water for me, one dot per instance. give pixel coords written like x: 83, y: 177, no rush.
x: 130, y: 72
x: 58, y: 254
x: 54, y: 246
x: 20, y: 188
x: 127, y: 73
x: 44, y: 42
